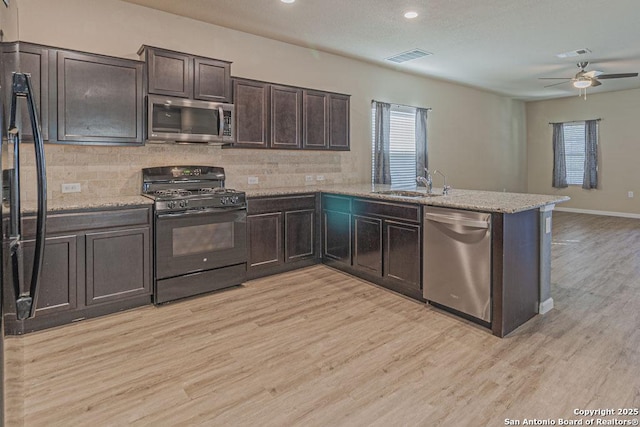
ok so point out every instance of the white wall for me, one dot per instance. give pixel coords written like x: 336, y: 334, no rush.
x: 477, y: 138
x: 619, y: 149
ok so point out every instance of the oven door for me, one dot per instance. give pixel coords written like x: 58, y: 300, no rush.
x: 193, y: 241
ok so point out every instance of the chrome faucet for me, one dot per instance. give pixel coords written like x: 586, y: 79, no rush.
x: 445, y: 187
x: 426, y: 181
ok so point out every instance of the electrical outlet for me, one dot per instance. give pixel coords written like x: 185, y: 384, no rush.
x: 253, y: 180
x: 72, y: 188
x: 319, y: 177
x: 308, y: 178
x: 630, y: 194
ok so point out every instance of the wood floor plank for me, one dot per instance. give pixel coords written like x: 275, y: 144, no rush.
x: 316, y: 347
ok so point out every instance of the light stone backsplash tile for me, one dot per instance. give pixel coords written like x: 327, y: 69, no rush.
x: 116, y: 171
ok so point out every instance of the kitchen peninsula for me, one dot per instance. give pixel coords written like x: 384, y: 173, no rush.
x: 365, y: 231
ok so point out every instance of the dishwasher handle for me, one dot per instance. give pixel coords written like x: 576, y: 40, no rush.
x: 445, y: 219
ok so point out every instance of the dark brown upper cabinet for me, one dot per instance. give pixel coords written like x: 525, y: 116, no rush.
x: 212, y: 80
x: 169, y: 73
x: 251, y: 104
x: 286, y: 116
x: 186, y: 76
x: 279, y: 116
x: 99, y: 99
x: 315, y: 115
x: 338, y: 122
x: 33, y: 59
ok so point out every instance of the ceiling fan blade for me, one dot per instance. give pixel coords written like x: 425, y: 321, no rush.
x: 595, y: 82
x: 617, y: 76
x: 592, y: 74
x: 556, y: 84
x: 555, y: 78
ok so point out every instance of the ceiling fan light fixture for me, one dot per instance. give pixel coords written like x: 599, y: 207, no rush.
x: 582, y: 83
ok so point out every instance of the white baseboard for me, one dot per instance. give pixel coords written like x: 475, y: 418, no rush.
x: 595, y: 212
x: 545, y: 306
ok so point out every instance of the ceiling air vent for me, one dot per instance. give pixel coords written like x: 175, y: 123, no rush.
x: 573, y: 53
x: 408, y: 56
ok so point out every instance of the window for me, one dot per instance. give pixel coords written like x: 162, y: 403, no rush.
x: 575, y: 154
x: 402, y: 145
x: 574, y: 148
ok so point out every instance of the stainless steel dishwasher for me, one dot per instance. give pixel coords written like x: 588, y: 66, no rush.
x: 457, y: 260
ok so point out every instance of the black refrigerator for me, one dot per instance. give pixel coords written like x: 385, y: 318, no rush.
x: 19, y: 291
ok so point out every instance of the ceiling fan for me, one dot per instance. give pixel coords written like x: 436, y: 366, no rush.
x: 584, y: 79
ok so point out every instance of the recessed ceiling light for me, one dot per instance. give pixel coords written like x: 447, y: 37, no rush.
x: 287, y: 1
x: 409, y: 15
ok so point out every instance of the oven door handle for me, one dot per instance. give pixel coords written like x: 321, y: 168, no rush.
x: 201, y: 212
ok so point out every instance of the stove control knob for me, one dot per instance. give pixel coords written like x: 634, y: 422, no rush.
x: 234, y: 199
x: 224, y: 200
x: 171, y: 204
x: 184, y: 203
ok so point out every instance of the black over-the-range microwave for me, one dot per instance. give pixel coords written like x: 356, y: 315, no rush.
x: 185, y: 120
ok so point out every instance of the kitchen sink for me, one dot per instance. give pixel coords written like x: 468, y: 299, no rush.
x: 406, y: 193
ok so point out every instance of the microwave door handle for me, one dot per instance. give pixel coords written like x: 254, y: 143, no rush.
x: 220, y: 121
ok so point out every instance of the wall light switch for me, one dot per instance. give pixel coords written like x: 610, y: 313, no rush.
x: 308, y: 178
x: 319, y: 177
x: 253, y: 180
x: 547, y: 225
x: 630, y: 194
x: 74, y: 187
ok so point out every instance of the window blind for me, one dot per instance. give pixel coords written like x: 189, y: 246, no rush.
x: 574, y: 140
x: 402, y: 147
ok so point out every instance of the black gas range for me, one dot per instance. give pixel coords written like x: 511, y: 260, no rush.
x: 199, y: 231
x: 183, y: 188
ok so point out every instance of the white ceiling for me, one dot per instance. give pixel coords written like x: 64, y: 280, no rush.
x: 503, y: 46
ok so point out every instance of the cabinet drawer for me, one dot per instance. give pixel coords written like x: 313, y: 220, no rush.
x: 280, y: 204
x: 63, y: 223
x: 387, y: 210
x: 336, y: 203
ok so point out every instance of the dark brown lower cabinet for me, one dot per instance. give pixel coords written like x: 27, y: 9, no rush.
x: 95, y: 262
x: 337, y: 237
x: 375, y: 240
x: 282, y: 233
x: 367, y: 244
x: 265, y: 241
x: 58, y: 272
x: 402, y: 254
x: 300, y: 233
x: 117, y: 264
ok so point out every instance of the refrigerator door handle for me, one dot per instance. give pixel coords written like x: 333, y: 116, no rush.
x: 26, y: 301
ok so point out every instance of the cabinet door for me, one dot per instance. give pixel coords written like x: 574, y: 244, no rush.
x: 58, y: 279
x: 99, y: 99
x: 338, y: 122
x: 250, y: 99
x: 402, y: 253
x: 315, y: 118
x: 367, y: 244
x: 25, y: 58
x: 170, y: 73
x: 299, y: 229
x: 212, y: 80
x: 337, y: 236
x: 265, y: 237
x: 117, y: 264
x: 286, y: 117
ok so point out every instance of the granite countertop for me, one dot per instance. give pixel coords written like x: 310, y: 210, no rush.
x: 486, y: 201
x: 79, y: 203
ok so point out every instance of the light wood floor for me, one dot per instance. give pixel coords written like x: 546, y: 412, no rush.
x: 317, y: 347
